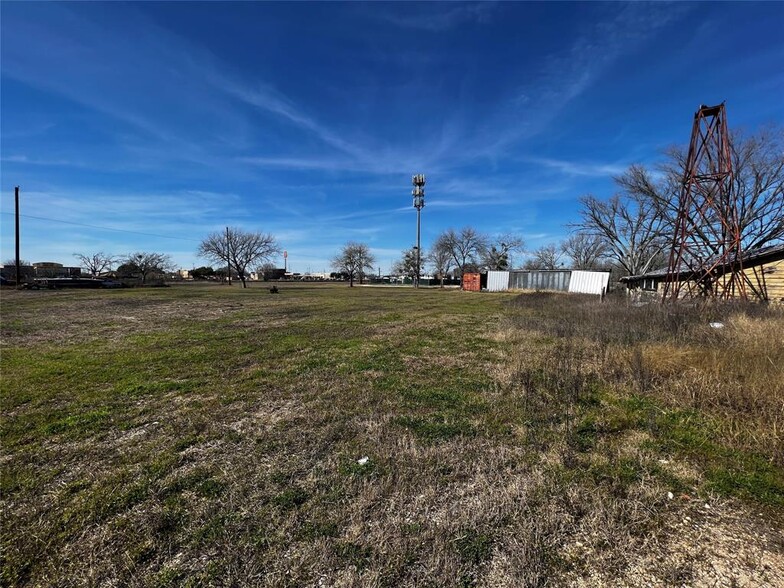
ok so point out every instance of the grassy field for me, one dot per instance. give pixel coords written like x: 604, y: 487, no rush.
x: 327, y: 436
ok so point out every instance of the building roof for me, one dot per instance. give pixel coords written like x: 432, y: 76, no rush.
x: 754, y: 257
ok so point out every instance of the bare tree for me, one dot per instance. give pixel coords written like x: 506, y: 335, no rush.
x: 440, y: 259
x: 756, y: 189
x: 239, y: 249
x: 632, y: 227
x: 585, y: 251
x: 466, y: 247
x: 758, y: 186
x: 96, y: 263
x: 498, y: 256
x: 353, y: 260
x: 146, y: 263
x: 547, y: 257
x: 406, y: 265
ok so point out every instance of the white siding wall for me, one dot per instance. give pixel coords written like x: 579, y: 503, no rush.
x: 584, y: 282
x: 497, y: 281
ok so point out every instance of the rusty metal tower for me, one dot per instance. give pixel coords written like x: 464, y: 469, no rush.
x: 706, y: 258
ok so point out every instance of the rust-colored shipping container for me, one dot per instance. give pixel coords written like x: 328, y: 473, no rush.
x: 472, y: 282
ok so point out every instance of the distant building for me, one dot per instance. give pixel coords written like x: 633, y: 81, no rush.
x: 272, y: 273
x: 41, y: 269
x: 315, y: 276
x: 763, y: 267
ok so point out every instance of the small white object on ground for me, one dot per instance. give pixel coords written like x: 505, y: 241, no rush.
x: 670, y: 495
x: 717, y: 325
x: 363, y: 460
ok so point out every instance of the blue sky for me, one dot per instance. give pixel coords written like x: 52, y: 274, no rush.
x: 166, y: 121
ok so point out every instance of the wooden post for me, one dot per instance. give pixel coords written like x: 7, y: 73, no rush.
x: 228, y: 254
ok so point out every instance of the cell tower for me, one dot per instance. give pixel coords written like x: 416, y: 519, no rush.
x: 706, y: 258
x: 419, y: 203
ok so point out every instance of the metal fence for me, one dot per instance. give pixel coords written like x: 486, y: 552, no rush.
x: 585, y: 282
x: 575, y: 281
x: 497, y: 281
x: 540, y: 280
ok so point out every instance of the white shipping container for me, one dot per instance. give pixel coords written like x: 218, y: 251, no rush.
x: 497, y: 281
x: 584, y: 282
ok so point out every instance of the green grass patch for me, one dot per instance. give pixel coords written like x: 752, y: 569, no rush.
x: 78, y: 425
x: 291, y: 498
x: 690, y: 435
x: 474, y: 547
x: 729, y: 471
x: 437, y: 427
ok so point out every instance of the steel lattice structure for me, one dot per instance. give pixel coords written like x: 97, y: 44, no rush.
x: 706, y: 258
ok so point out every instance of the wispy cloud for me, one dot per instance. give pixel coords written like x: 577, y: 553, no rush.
x: 26, y: 130
x: 64, y: 50
x: 565, y: 75
x: 313, y: 163
x: 206, y: 89
x: 178, y: 214
x: 24, y: 159
x: 464, y: 203
x: 528, y: 111
x: 577, y: 168
x: 438, y: 17
x: 273, y: 102
x: 362, y: 214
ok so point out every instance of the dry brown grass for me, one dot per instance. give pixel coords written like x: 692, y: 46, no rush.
x: 735, y: 373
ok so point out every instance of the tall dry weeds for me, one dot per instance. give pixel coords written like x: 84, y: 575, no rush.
x: 726, y: 360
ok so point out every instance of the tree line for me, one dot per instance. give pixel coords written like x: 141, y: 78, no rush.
x: 239, y: 251
x: 630, y: 231
x: 140, y: 263
x: 633, y: 230
x: 455, y: 252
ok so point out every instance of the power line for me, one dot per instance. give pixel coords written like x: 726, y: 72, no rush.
x: 56, y: 220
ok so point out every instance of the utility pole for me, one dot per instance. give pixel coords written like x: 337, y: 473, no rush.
x: 228, y: 256
x: 16, y: 199
x: 419, y: 203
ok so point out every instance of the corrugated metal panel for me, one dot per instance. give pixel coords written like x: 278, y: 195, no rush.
x: 540, y: 280
x: 472, y: 282
x: 585, y: 282
x: 497, y: 281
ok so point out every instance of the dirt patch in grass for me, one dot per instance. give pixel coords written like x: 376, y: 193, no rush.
x: 714, y: 543
x: 45, y: 317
